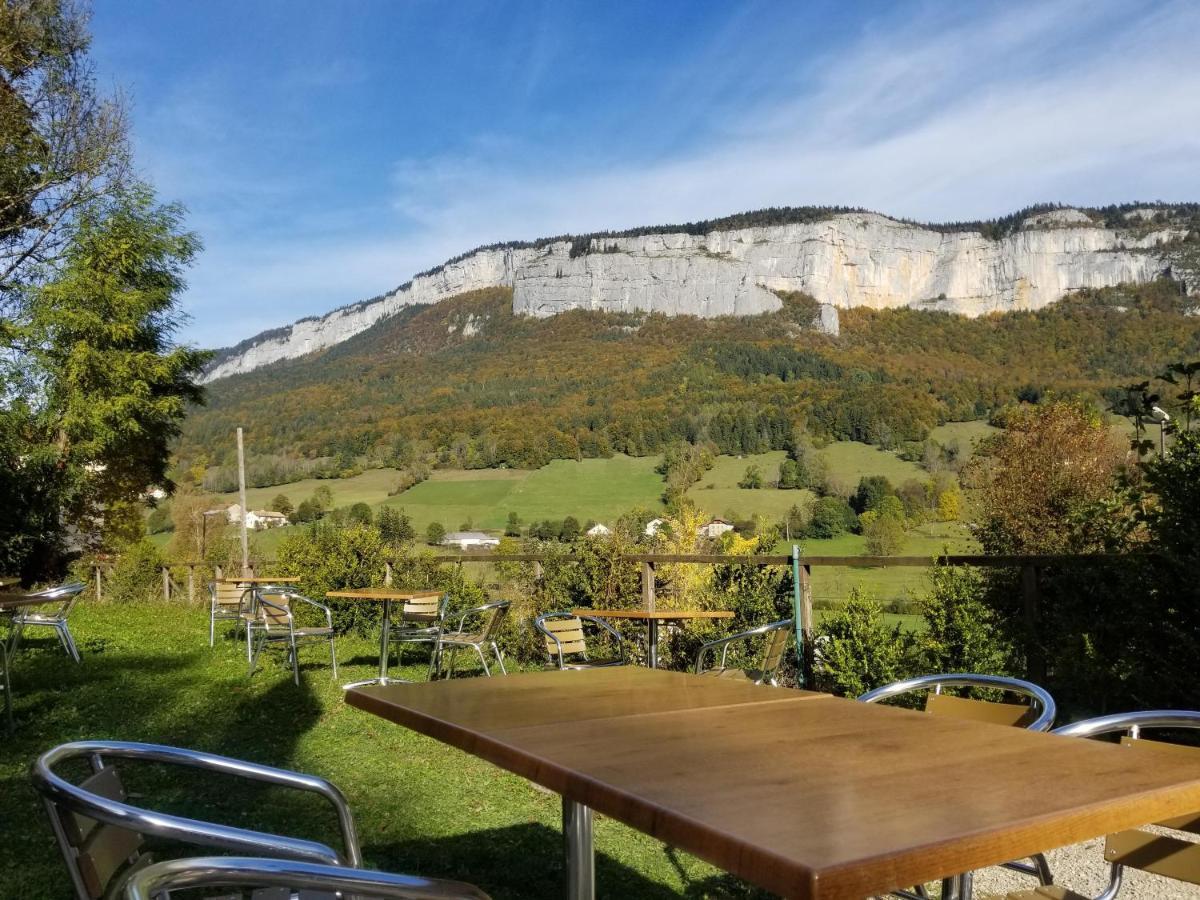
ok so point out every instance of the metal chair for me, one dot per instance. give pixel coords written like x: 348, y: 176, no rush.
x: 273, y: 621
x: 420, y: 621
x: 65, y: 596
x: 101, y: 835
x: 158, y: 880
x: 1038, y: 715
x: 225, y: 599
x: 1169, y: 857
x: 565, y: 637
x: 773, y: 650
x: 493, y: 616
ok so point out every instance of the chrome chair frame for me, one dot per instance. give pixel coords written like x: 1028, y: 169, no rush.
x: 603, y: 624
x: 457, y: 640
x: 936, y: 683
x: 26, y: 617
x: 157, y: 881
x: 403, y: 630
x: 59, y: 795
x: 959, y: 887
x: 1131, y: 725
x: 269, y: 619
x: 767, y: 674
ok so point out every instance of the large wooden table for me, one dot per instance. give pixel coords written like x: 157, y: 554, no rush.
x: 387, y: 597
x: 653, y: 617
x: 803, y: 794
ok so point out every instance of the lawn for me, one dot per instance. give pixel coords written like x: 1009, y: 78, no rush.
x: 149, y: 675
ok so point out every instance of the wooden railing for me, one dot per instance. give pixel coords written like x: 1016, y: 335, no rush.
x: 1030, y: 568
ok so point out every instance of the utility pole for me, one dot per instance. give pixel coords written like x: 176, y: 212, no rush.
x: 242, y: 500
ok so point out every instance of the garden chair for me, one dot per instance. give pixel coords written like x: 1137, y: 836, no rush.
x: 774, y: 647
x: 225, y: 602
x: 273, y: 878
x: 1164, y: 855
x: 564, y: 634
x: 1037, y: 715
x: 64, y: 596
x: 487, y: 620
x: 272, y: 621
x: 420, y: 621
x: 102, y: 836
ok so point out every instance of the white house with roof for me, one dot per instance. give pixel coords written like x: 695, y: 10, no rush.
x: 470, y: 540
x: 653, y: 526
x: 261, y: 519
x: 598, y: 530
x: 714, y: 528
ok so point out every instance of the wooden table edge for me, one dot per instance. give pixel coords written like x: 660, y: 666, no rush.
x: 370, y: 594
x: 654, y: 613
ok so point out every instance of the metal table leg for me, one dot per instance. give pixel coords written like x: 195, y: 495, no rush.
x: 652, y: 629
x: 581, y: 856
x: 384, y: 634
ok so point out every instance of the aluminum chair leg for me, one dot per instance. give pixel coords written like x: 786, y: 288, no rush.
x: 581, y: 856
x: 482, y: 661
x: 333, y: 656
x: 212, y: 627
x: 295, y: 662
x: 69, y: 641
x: 499, y: 658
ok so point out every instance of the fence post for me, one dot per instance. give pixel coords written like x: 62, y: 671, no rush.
x: 99, y: 594
x: 218, y: 572
x: 387, y: 574
x: 166, y: 573
x: 1035, y: 659
x: 648, y: 586
x: 537, y: 570
x: 802, y: 598
x: 191, y: 582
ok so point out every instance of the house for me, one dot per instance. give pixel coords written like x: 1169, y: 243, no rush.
x: 598, y: 530
x: 470, y: 540
x: 234, y: 512
x: 653, y: 526
x: 260, y: 519
x: 714, y: 528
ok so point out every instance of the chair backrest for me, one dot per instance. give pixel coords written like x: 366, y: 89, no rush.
x: 67, y: 594
x: 563, y: 633
x: 1038, y: 715
x: 100, y: 833
x: 774, y: 649
x: 249, y: 872
x: 226, y: 593
x: 422, y: 608
x: 275, y: 609
x: 494, y: 615
x: 1160, y: 854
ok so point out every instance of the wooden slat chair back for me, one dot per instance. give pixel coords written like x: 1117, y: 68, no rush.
x: 101, y: 851
x: 774, y: 638
x: 226, y: 596
x: 565, y: 638
x: 421, y: 608
x: 493, y: 621
x: 777, y: 642
x: 1013, y: 714
x: 569, y: 632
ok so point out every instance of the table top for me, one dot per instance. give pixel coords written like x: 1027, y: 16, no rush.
x: 806, y: 795
x: 9, y: 580
x: 657, y: 614
x: 380, y: 594
x: 262, y: 579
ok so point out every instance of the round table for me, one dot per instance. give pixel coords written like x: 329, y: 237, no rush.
x: 653, y: 617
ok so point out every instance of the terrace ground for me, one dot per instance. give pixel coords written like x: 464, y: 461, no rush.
x: 148, y: 674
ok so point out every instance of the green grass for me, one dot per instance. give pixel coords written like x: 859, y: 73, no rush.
x: 849, y: 461
x: 967, y: 434
x: 148, y: 675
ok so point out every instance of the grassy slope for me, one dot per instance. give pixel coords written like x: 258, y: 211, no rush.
x: 422, y: 807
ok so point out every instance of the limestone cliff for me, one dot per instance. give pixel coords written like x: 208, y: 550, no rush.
x: 843, y: 260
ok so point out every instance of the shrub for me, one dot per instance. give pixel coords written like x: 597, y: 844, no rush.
x: 857, y: 650
x: 435, y: 533
x: 137, y: 574
x: 831, y: 516
x: 752, y: 479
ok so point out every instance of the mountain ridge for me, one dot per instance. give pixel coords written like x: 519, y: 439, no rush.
x: 736, y: 265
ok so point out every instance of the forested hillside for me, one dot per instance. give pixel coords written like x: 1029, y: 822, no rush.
x: 466, y: 383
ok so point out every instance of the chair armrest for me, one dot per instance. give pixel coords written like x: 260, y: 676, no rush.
x: 232, y: 871
x: 222, y: 836
x: 724, y: 642
x: 313, y: 603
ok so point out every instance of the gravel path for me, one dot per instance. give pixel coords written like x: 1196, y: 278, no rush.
x: 1082, y: 868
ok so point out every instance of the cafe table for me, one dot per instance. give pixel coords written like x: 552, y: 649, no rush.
x: 387, y: 597
x: 653, y: 617
x: 805, y: 795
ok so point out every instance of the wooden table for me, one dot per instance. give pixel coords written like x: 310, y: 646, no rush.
x: 805, y: 795
x: 386, y: 596
x: 653, y: 617
x: 262, y: 579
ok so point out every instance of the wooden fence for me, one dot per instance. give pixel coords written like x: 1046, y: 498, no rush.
x: 1030, y: 568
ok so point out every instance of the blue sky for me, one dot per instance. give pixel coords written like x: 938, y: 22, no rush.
x: 328, y: 151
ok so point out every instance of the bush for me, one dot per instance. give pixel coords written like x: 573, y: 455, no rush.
x: 137, y: 575
x: 328, y: 558
x: 435, y: 534
x: 856, y: 650
x: 752, y: 479
x: 831, y: 516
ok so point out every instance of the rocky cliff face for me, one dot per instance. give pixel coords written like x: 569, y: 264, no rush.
x: 844, y: 261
